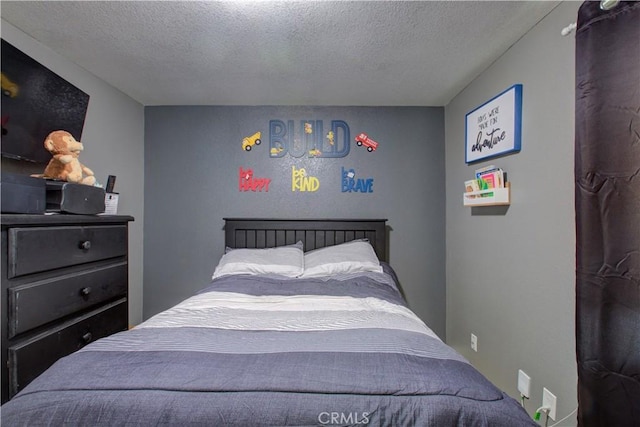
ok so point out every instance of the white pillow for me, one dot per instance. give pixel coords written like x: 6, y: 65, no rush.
x: 284, y: 261
x: 351, y: 257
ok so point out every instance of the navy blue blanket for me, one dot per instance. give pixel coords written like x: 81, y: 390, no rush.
x: 278, y: 351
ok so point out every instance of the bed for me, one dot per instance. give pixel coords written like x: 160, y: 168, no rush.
x: 274, y: 342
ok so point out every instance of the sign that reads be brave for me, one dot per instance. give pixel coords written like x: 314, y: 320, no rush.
x: 494, y: 128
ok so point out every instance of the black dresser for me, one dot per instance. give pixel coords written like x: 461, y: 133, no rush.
x: 64, y: 284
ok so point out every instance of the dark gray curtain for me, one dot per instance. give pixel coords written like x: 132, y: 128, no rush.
x: 607, y: 173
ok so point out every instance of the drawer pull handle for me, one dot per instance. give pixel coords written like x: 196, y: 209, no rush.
x: 85, y: 291
x: 86, y: 245
x: 87, y: 337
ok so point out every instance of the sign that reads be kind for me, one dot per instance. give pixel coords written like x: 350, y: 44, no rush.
x: 494, y: 128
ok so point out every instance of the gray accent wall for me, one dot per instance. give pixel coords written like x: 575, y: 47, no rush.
x: 510, y: 274
x: 113, y: 145
x: 192, y: 161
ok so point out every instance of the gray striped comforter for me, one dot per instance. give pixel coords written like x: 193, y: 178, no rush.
x: 270, y: 351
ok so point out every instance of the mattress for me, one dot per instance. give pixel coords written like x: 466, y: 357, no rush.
x: 268, y: 350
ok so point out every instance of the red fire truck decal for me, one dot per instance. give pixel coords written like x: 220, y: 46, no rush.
x: 363, y: 139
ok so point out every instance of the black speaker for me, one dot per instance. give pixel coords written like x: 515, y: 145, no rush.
x: 22, y: 194
x: 73, y: 198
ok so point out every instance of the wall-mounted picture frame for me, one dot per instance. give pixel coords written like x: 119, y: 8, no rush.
x: 495, y: 128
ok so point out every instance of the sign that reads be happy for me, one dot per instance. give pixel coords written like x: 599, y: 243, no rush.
x: 494, y: 128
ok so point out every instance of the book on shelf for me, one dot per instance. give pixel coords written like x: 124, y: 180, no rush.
x: 490, y: 177
x: 489, y: 168
x: 487, y: 178
x: 471, y: 186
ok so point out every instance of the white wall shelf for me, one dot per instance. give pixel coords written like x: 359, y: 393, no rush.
x: 491, y: 197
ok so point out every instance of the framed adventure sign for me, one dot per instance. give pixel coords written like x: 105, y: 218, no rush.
x: 495, y: 128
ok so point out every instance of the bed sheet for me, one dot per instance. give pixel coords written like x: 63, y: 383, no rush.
x: 256, y: 350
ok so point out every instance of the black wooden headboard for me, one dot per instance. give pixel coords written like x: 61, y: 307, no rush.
x: 314, y: 233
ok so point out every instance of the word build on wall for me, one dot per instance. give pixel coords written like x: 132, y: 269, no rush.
x: 310, y: 140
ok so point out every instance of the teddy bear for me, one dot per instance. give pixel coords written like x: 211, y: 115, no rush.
x: 65, y: 165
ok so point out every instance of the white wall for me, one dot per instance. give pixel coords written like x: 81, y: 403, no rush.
x: 510, y: 276
x: 113, y: 138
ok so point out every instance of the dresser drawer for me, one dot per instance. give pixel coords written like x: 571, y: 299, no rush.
x: 36, y: 249
x: 30, y: 358
x: 39, y: 303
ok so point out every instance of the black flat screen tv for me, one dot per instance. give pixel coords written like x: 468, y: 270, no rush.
x: 35, y: 102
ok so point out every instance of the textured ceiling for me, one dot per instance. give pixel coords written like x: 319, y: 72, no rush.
x: 281, y: 53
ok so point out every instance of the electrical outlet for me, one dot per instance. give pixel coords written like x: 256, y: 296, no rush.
x: 549, y: 400
x: 474, y: 342
x: 524, y: 383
